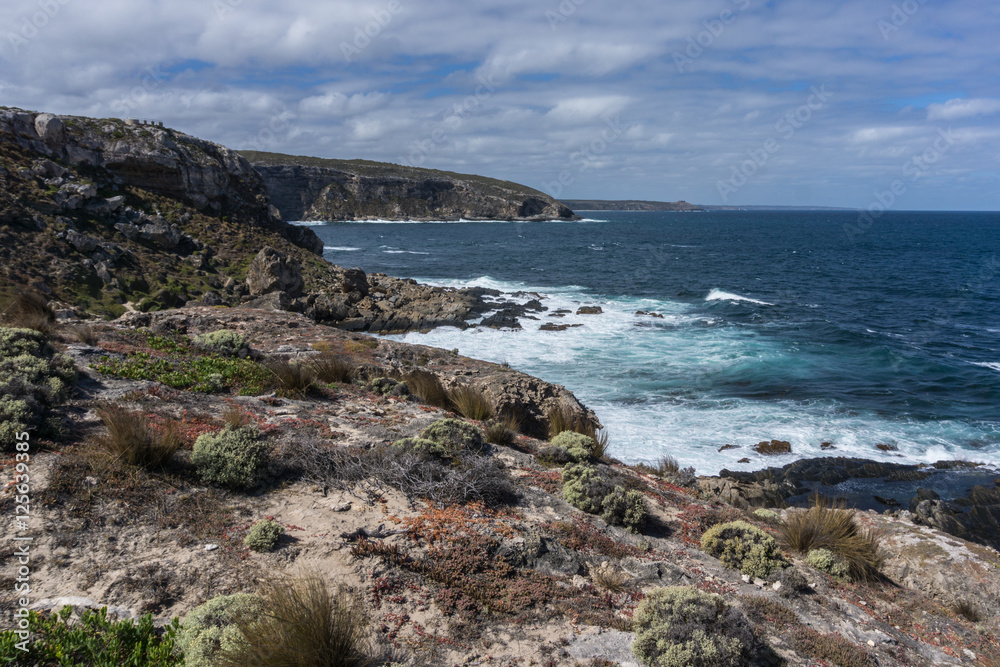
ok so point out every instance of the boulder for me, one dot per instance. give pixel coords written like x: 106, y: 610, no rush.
x: 49, y: 128
x: 160, y: 233
x: 589, y: 310
x: 81, y: 242
x: 355, y: 280
x: 271, y: 301
x: 270, y: 271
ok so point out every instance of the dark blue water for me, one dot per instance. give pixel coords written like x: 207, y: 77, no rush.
x: 775, y: 324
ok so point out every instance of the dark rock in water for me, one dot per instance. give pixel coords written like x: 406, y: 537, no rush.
x: 887, y: 448
x: 726, y: 448
x: 549, y: 326
x: 773, y: 447
x: 827, y: 446
x: 888, y: 502
x: 589, y: 310
x: 505, y: 318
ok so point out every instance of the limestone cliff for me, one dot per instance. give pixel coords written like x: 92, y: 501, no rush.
x: 304, y: 188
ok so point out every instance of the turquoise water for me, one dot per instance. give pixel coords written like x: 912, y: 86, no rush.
x: 774, y: 325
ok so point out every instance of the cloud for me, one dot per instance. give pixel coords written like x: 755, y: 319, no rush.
x: 961, y: 108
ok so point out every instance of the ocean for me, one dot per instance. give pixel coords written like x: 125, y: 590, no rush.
x: 734, y: 327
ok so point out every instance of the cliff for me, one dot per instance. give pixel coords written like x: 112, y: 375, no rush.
x: 629, y: 205
x: 304, y: 188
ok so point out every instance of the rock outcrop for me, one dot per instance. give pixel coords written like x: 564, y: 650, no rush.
x: 314, y: 189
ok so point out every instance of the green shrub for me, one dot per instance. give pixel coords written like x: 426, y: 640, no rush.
x: 383, y: 386
x: 681, y: 626
x: 625, y: 508
x: 33, y: 378
x: 211, y: 628
x: 303, y: 624
x: 743, y: 546
x: 825, y: 560
x: 584, y: 487
x: 233, y: 457
x: 264, y: 535
x: 569, y: 447
x: 455, y: 436
x: 767, y: 515
x: 95, y: 641
x: 226, y: 343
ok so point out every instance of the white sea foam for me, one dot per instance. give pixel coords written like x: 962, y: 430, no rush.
x: 719, y: 295
x: 405, y: 252
x: 307, y: 223
x: 340, y: 248
x: 992, y: 365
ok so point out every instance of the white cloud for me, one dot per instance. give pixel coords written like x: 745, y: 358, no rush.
x: 963, y: 108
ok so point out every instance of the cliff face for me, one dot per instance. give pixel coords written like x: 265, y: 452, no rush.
x: 315, y: 189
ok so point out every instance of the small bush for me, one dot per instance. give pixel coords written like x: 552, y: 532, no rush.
x: 793, y: 583
x: 609, y: 577
x: 94, y: 641
x: 743, y: 546
x: 211, y: 628
x: 293, y: 380
x: 835, y: 529
x: 825, y: 560
x: 471, y: 402
x: 302, y: 624
x: 681, y: 626
x: 383, y: 386
x: 577, y: 446
x: 129, y: 438
x: 765, y: 611
x: 233, y: 457
x: 831, y: 648
x: 225, y: 343
x: 428, y: 388
x: 502, y: 430
x: 234, y: 416
x: 767, y: 515
x: 625, y: 508
x: 264, y: 535
x: 455, y: 435
x: 29, y: 310
x: 86, y: 334
x: 330, y: 367
x: 584, y: 487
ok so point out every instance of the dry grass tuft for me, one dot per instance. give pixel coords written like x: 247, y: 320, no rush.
x: 968, y: 611
x: 293, y: 380
x: 609, y: 577
x: 471, y: 402
x: 502, y: 430
x: 331, y: 367
x: 29, y: 310
x: 562, y: 418
x: 233, y: 415
x: 129, y: 438
x: 86, y: 334
x: 303, y: 624
x: 836, y: 529
x: 428, y: 388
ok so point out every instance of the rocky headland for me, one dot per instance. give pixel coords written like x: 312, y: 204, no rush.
x: 165, y: 287
x: 630, y: 205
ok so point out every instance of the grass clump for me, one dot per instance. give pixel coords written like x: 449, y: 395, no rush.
x: 211, y: 628
x: 293, y: 380
x: 129, y: 438
x: 28, y: 310
x: 303, y: 624
x: 330, y: 367
x: 428, y: 388
x: 609, y: 577
x: 225, y: 343
x: 836, y: 530
x: 264, y: 535
x: 33, y: 378
x: 233, y: 457
x: 95, y: 640
x: 471, y: 402
x: 743, y: 546
x: 625, y: 508
x: 681, y: 626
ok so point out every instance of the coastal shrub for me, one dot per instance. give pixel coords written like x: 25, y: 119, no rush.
x: 233, y: 457
x: 388, y: 387
x: 95, y: 641
x: 835, y: 529
x: 428, y: 388
x: 743, y: 546
x: 471, y: 402
x: 584, y: 487
x: 330, y: 367
x: 570, y: 447
x: 33, y: 378
x: 264, y: 535
x: 502, y: 430
x: 28, y: 310
x: 793, y: 583
x: 211, y: 628
x: 223, y: 342
x: 767, y: 515
x: 302, y: 623
x: 292, y: 379
x: 681, y: 626
x: 129, y: 437
x: 825, y: 560
x: 625, y: 508
x: 455, y: 434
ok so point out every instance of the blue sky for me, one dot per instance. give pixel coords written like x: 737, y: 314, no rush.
x: 789, y: 102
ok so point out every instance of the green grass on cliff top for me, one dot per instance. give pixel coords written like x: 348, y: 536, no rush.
x: 388, y: 169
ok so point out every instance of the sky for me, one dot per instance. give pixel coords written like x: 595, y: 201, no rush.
x: 853, y: 103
